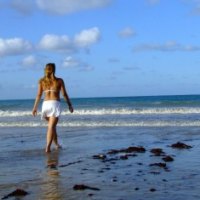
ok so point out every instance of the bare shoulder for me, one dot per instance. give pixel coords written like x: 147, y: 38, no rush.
x: 60, y: 80
x: 41, y: 80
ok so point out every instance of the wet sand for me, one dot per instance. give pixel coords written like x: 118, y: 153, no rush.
x: 101, y: 164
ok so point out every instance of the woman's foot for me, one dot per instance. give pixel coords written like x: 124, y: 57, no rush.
x: 58, y: 147
x: 47, y: 150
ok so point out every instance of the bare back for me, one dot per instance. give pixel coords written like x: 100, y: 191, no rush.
x: 53, y: 92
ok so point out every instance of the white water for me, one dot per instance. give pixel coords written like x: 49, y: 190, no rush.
x: 122, y: 111
x: 106, y: 124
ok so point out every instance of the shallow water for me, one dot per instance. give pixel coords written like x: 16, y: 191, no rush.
x: 25, y: 165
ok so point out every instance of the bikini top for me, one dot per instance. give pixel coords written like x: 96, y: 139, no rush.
x: 50, y: 90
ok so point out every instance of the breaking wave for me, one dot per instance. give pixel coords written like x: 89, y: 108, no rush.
x: 106, y: 124
x: 122, y: 111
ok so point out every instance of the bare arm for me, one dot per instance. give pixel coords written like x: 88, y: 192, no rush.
x: 66, y: 97
x: 37, y: 100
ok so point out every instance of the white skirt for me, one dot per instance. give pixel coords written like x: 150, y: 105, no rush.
x: 50, y: 108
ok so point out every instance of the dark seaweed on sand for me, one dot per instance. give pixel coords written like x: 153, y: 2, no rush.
x: 17, y: 192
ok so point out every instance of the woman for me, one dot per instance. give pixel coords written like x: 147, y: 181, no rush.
x: 51, y: 86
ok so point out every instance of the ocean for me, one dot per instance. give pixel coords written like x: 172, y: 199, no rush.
x: 154, y: 111
x: 97, y: 126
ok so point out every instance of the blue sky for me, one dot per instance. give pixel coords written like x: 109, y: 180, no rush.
x: 101, y: 47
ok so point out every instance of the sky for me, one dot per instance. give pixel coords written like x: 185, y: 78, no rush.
x: 101, y: 48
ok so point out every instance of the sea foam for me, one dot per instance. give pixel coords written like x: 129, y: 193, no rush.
x: 104, y: 111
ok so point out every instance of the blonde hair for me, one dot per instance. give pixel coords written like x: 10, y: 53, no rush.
x: 49, y: 78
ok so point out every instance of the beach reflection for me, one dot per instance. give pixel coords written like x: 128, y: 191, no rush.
x: 52, y: 187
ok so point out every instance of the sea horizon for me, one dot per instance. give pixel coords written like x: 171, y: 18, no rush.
x: 100, y: 97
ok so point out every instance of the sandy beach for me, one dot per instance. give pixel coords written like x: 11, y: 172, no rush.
x: 85, y: 161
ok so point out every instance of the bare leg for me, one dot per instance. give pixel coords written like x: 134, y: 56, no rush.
x: 55, y: 140
x: 51, y: 132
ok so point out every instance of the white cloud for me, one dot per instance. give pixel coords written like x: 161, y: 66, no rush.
x: 29, y: 61
x: 70, y: 62
x: 127, y: 32
x: 57, y: 43
x: 63, y: 43
x: 57, y: 7
x: 14, y: 46
x: 168, y: 46
x: 23, y: 7
x: 195, y: 4
x: 62, y: 7
x: 50, y: 42
x: 87, y: 37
